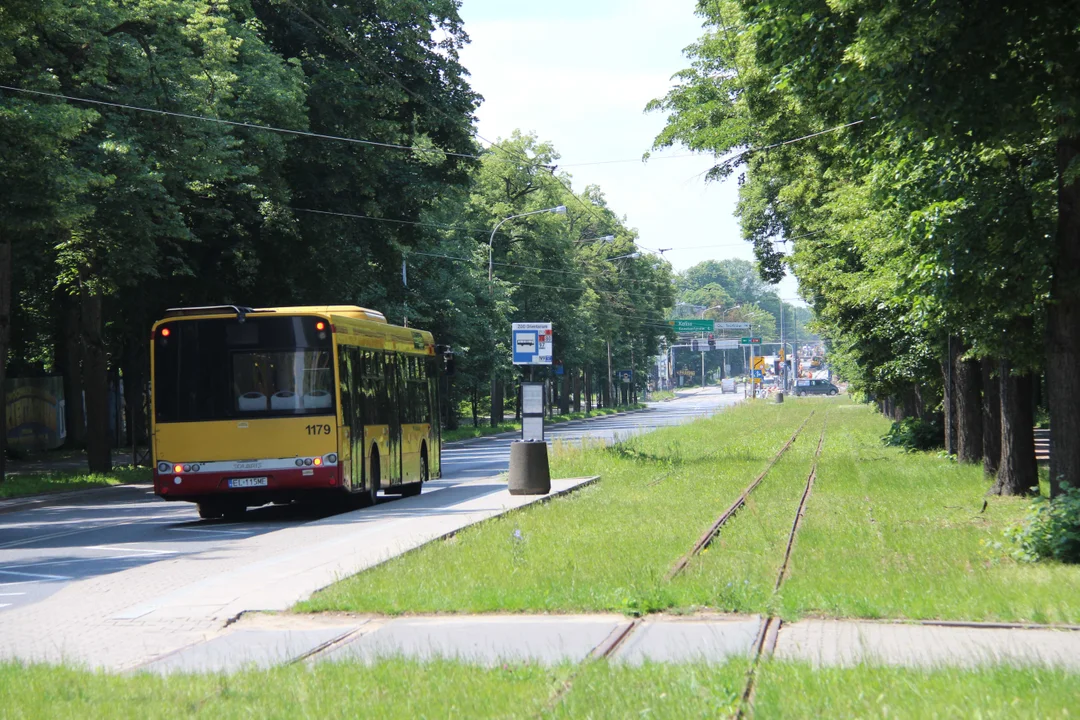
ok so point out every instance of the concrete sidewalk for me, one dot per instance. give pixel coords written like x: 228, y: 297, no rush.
x: 266, y: 640
x: 125, y: 619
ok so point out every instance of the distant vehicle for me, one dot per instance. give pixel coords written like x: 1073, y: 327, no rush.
x: 252, y: 406
x: 815, y: 387
x: 727, y: 385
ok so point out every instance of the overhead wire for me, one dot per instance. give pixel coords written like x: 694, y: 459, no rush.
x: 235, y: 123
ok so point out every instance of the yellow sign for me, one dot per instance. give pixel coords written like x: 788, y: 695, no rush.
x: 781, y: 356
x: 759, y: 363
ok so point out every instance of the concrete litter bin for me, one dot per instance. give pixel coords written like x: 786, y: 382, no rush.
x: 779, y: 396
x: 529, y: 473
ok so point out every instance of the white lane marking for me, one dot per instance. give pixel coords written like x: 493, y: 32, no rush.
x: 18, y: 582
x: 10, y: 594
x: 4, y: 605
x: 130, y: 549
x: 75, y: 560
x: 65, y: 533
x: 34, y: 575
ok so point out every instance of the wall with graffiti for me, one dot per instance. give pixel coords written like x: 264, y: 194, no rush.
x: 35, y: 413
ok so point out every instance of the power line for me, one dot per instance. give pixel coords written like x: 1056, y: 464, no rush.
x: 235, y: 123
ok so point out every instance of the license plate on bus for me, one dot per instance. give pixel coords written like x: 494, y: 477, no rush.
x: 247, y: 482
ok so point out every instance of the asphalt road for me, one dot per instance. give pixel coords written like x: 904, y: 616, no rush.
x: 43, y: 549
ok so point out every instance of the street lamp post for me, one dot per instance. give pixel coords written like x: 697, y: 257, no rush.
x: 558, y: 209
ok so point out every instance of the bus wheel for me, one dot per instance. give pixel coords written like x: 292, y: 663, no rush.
x: 210, y: 511
x: 234, y: 512
x: 414, y: 488
x: 369, y: 496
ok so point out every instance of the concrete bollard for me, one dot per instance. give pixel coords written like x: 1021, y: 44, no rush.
x: 779, y: 396
x: 529, y: 473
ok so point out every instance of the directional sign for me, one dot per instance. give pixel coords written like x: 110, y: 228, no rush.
x: 759, y: 363
x: 531, y: 343
x: 750, y: 341
x: 690, y: 325
x: 758, y: 374
x: 732, y: 326
x: 625, y: 376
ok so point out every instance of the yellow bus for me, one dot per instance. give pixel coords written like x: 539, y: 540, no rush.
x: 252, y: 406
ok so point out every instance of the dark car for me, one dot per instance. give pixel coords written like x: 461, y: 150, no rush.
x: 815, y: 387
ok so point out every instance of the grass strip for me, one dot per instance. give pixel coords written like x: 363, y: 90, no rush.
x: 797, y: 690
x: 605, y: 547
x: 903, y: 535
x: 392, y: 688
x: 466, y: 433
x: 22, y: 485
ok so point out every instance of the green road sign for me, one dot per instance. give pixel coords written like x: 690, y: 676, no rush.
x: 749, y: 341
x: 689, y: 325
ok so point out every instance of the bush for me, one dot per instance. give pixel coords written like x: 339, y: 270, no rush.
x: 1050, y: 530
x: 914, y: 434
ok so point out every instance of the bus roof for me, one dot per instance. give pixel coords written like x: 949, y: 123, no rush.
x: 350, y: 311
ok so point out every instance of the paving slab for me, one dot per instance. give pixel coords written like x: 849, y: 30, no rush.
x: 849, y: 643
x: 247, y: 648
x: 486, y: 640
x: 678, y: 640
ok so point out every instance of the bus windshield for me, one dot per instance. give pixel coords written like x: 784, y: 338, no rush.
x: 221, y: 369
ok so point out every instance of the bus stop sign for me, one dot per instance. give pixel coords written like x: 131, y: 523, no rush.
x: 531, y: 343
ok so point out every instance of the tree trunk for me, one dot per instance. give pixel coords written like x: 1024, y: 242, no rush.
x: 1063, y: 328
x: 134, y: 380
x: 96, y: 377
x: 969, y: 430
x: 588, y: 389
x: 5, y: 338
x: 475, y: 399
x: 949, y: 401
x: 564, y: 396
x: 496, y: 401
x: 991, y: 410
x: 1018, y: 473
x: 71, y: 362
x: 576, y: 388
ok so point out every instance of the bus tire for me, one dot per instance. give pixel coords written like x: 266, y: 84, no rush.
x: 369, y: 496
x: 234, y: 512
x: 414, y: 488
x: 209, y: 510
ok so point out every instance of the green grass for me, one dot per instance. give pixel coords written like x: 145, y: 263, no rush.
x: 661, y: 395
x: 466, y: 433
x: 795, y: 690
x: 389, y: 689
x: 41, y: 483
x: 887, y: 534
x: 898, y: 535
x: 606, y: 547
x: 397, y: 688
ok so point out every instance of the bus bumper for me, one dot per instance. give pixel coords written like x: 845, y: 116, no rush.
x: 279, y: 484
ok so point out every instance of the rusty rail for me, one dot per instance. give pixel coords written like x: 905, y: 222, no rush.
x: 711, y: 532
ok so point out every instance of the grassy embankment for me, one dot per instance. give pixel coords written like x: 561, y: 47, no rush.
x: 404, y: 689
x: 43, y: 483
x: 887, y: 534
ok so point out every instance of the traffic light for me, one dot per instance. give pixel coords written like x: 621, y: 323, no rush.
x: 694, y: 345
x: 712, y: 342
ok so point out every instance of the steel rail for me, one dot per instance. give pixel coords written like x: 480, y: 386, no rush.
x: 770, y: 628
x: 707, y: 537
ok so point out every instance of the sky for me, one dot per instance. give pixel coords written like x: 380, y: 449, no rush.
x: 579, y: 74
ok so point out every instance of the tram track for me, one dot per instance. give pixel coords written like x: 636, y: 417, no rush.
x: 765, y: 643
x: 713, y: 530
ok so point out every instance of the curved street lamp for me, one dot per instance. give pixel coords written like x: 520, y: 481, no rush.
x: 558, y: 209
